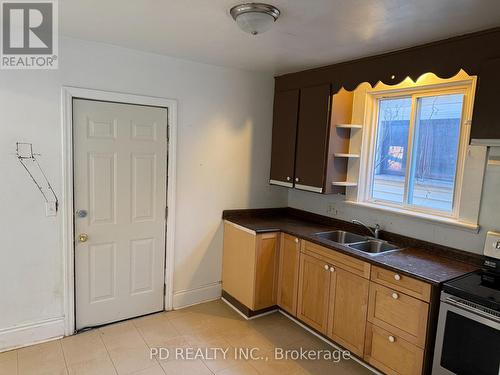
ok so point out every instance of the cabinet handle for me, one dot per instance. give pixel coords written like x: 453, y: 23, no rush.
x: 397, y: 277
x: 296, y: 240
x: 296, y: 179
x: 288, y: 178
x: 392, y: 339
x: 395, y: 295
x: 332, y: 269
x: 327, y: 267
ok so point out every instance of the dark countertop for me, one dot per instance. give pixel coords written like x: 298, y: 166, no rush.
x: 431, y: 263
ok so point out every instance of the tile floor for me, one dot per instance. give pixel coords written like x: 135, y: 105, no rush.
x: 124, y: 348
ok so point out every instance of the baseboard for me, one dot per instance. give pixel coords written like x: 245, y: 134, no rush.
x: 32, y: 333
x: 185, y: 298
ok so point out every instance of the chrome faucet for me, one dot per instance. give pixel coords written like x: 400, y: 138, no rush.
x: 375, y: 233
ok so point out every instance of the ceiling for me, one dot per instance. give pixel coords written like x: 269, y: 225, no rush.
x: 308, y: 34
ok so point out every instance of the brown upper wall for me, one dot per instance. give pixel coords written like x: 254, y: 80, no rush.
x: 477, y: 54
x: 443, y: 58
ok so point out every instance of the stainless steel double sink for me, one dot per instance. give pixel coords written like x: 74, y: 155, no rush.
x: 371, y: 246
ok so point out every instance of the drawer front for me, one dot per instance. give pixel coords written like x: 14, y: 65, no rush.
x: 336, y: 258
x: 404, y: 315
x: 402, y: 283
x: 391, y: 353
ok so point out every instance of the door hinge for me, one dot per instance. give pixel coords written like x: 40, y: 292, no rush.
x: 164, y: 289
x: 166, y: 213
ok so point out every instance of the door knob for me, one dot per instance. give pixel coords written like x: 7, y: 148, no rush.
x: 83, y: 237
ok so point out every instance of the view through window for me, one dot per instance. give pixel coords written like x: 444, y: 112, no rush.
x: 416, y: 151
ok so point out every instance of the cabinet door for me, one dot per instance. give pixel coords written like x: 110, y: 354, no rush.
x: 286, y: 106
x: 312, y: 138
x: 314, y: 286
x: 266, y: 264
x: 288, y: 282
x: 348, y: 310
x: 485, y: 121
x: 238, y: 263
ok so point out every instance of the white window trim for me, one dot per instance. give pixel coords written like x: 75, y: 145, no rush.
x: 470, y: 165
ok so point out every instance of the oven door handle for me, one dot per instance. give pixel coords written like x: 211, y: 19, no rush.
x: 471, y: 309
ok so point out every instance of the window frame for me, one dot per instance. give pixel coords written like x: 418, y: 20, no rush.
x: 464, y: 87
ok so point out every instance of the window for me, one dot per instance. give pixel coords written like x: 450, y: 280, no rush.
x: 417, y: 158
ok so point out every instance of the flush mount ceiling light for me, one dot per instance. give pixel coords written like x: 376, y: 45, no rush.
x: 255, y: 18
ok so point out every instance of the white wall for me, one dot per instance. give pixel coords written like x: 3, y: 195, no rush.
x: 489, y: 217
x: 224, y: 137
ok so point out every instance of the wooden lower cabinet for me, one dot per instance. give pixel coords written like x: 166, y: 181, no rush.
x: 249, y: 266
x: 348, y: 310
x: 288, y: 279
x: 314, y: 288
x: 390, y: 353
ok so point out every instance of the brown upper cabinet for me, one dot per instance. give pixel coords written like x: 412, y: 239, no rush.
x: 312, y: 138
x: 305, y: 138
x: 286, y: 109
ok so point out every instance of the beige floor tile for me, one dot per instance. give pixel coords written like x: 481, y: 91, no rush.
x: 8, y: 363
x: 42, y: 359
x: 155, y: 329
x: 83, y: 347
x: 128, y: 360
x: 271, y: 366
x: 240, y: 369
x: 223, y: 357
x: 121, y: 336
x: 155, y: 370
x: 185, y: 367
x: 123, y: 349
x: 97, y: 366
x: 249, y: 340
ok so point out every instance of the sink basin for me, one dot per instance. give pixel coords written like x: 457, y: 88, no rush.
x: 340, y: 236
x: 373, y: 246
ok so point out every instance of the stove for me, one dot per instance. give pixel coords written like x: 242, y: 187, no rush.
x: 481, y: 287
x: 468, y: 334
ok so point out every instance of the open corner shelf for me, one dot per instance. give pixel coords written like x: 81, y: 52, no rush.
x: 349, y: 126
x: 345, y: 183
x: 345, y: 155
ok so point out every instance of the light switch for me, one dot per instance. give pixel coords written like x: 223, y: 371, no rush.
x: 492, y: 245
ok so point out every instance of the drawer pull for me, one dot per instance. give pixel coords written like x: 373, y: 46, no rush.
x: 397, y: 277
x: 296, y: 240
x: 327, y: 267
x: 395, y: 295
x: 332, y: 269
x: 392, y: 339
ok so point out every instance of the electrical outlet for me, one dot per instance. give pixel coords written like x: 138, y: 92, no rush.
x: 492, y: 245
x: 50, y: 209
x: 331, y: 209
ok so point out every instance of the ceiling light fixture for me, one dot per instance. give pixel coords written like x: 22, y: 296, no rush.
x: 255, y: 18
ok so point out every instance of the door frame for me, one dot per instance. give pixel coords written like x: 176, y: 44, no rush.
x: 67, y: 95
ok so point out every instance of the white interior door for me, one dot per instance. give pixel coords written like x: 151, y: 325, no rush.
x: 120, y: 180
